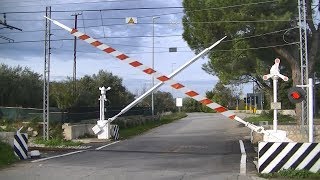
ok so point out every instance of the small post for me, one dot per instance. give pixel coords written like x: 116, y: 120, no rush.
x: 102, y: 123
x: 275, y: 74
x: 275, y: 99
x: 310, y: 109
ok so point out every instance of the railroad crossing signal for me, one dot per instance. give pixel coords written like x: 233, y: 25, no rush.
x: 296, y: 95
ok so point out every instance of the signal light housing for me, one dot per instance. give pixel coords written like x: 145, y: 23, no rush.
x: 296, y: 95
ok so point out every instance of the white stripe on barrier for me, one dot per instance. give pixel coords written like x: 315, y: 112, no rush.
x: 21, y: 148
x: 22, y: 140
x: 288, y: 155
x: 279, y: 157
x: 293, y: 159
x: 261, y: 145
x: 268, y: 152
x: 309, y: 157
x: 17, y: 145
x: 316, y: 166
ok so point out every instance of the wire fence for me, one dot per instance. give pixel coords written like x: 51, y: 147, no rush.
x: 75, y: 114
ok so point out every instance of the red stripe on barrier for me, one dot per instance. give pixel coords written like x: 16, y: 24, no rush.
x: 109, y: 50
x: 122, y: 56
x: 74, y: 31
x: 163, y: 78
x: 149, y: 71
x: 177, y: 86
x: 135, y: 63
x: 191, y: 93
x: 221, y: 109
x: 206, y: 101
x: 84, y: 37
x: 96, y: 43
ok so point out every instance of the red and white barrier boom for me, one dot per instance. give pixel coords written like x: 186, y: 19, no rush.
x: 164, y: 79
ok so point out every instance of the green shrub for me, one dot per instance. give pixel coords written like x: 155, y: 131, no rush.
x: 268, y: 116
x: 6, y: 154
x: 292, y: 174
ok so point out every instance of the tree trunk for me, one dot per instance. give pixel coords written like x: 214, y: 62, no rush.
x: 296, y: 77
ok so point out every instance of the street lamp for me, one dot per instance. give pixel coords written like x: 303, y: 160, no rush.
x: 152, y: 97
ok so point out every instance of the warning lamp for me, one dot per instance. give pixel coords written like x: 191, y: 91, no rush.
x: 296, y: 95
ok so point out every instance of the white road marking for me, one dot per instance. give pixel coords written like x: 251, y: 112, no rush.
x: 61, y: 155
x: 243, y: 165
x: 106, y: 145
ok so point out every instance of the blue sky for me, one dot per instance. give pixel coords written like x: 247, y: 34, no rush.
x: 110, y: 27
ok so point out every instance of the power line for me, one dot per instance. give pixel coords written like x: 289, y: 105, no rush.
x: 165, y: 23
x: 147, y: 8
x: 222, y: 50
x: 236, y: 39
x: 93, y: 10
x: 109, y: 37
x: 191, y: 22
x: 62, y: 4
x: 213, y: 8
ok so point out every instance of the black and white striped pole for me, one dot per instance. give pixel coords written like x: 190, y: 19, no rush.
x: 115, y: 132
x: 20, y: 145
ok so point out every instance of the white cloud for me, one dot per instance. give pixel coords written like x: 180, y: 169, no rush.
x: 91, y: 60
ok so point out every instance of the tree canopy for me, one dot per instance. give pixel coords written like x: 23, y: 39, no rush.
x: 87, y: 93
x: 20, y: 87
x: 258, y: 32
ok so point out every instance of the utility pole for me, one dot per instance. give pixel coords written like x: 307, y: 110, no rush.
x: 152, y: 95
x: 303, y: 56
x: 74, y: 77
x: 46, y: 75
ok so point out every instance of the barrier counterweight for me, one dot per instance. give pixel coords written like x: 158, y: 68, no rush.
x: 21, y: 145
x: 276, y: 156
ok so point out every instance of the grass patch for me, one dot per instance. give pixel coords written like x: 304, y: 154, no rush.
x: 133, y: 131
x: 55, y: 142
x: 282, y: 119
x: 292, y: 174
x: 6, y: 155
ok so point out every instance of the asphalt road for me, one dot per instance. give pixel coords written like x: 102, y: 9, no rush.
x: 200, y: 146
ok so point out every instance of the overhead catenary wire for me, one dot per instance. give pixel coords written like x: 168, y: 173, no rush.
x: 110, y: 37
x: 64, y: 3
x: 221, y: 50
x: 109, y: 25
x: 142, y: 8
x: 70, y: 3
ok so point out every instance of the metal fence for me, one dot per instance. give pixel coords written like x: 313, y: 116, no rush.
x: 75, y: 114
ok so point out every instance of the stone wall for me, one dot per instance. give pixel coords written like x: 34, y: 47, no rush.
x: 290, y: 112
x: 294, y: 132
x: 74, y: 131
x: 7, y: 137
